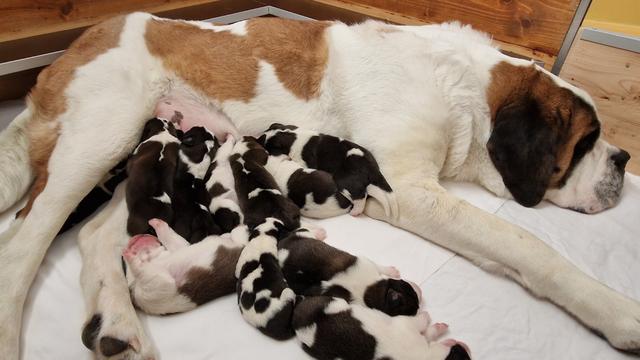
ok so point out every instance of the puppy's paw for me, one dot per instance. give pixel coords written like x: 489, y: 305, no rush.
x: 358, y: 207
x: 390, y: 271
x: 435, y: 331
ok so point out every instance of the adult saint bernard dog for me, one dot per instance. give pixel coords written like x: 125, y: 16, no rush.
x: 430, y: 102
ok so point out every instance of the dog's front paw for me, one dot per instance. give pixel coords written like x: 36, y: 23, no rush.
x: 616, y: 318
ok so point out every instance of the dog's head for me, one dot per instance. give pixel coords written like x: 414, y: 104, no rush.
x: 198, y: 142
x: 546, y: 141
x: 393, y: 297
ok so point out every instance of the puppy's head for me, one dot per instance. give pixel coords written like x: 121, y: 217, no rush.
x: 277, y: 140
x: 546, y: 142
x: 156, y: 126
x: 198, y: 142
x: 393, y: 297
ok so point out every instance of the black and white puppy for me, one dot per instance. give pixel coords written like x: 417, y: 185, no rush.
x: 264, y: 298
x: 151, y: 170
x: 193, y: 220
x: 331, y: 328
x: 353, y: 167
x: 221, y: 197
x: 313, y: 191
x: 169, y: 275
x: 313, y: 268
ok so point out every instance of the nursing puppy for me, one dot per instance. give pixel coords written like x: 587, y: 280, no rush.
x: 313, y: 191
x: 331, y: 328
x: 353, y: 168
x: 193, y: 220
x: 151, y: 170
x: 313, y: 268
x: 169, y: 275
x: 220, y: 195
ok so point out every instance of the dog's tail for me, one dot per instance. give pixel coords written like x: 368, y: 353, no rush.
x: 16, y: 174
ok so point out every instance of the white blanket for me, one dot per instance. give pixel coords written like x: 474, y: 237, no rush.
x: 494, y: 316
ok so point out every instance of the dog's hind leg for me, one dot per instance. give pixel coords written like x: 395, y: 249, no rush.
x: 112, y: 326
x: 85, y: 150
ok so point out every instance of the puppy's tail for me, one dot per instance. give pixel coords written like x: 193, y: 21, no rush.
x: 16, y: 174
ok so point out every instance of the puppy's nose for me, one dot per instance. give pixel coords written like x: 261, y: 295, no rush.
x: 620, y: 159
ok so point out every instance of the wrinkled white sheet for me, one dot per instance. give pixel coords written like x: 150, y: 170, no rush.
x: 494, y: 316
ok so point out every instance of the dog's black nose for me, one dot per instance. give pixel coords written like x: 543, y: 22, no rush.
x: 620, y: 159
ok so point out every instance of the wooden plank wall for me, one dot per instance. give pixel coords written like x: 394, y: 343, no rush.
x: 612, y: 77
x: 539, y: 25
x: 25, y: 18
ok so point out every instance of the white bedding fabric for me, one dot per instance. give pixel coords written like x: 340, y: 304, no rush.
x: 494, y: 316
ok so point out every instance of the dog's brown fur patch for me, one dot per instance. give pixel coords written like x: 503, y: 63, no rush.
x: 569, y: 117
x: 47, y: 100
x: 206, y: 284
x: 224, y: 66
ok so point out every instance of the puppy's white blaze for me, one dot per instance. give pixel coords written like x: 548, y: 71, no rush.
x: 254, y: 193
x: 356, y: 278
x: 308, y: 170
x: 240, y: 148
x: 198, y: 170
x: 307, y: 334
x: 336, y: 306
x: 203, y: 207
x: 355, y: 152
x: 283, y: 254
x: 164, y: 198
x: 209, y: 144
x: 268, y: 225
x: 387, y: 200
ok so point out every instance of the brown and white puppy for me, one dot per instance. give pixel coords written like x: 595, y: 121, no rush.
x: 354, y: 169
x: 314, y: 268
x: 332, y: 328
x: 151, y: 170
x: 169, y: 275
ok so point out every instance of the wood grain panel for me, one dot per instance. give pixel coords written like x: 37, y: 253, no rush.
x: 612, y: 77
x: 539, y: 25
x: 25, y: 18
x: 351, y: 13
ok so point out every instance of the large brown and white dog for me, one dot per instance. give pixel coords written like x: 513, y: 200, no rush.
x: 449, y: 104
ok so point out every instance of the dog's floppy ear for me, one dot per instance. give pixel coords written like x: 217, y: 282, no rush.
x: 523, y: 149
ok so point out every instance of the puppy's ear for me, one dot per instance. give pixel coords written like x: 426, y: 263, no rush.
x: 262, y: 139
x: 523, y: 149
x: 276, y: 126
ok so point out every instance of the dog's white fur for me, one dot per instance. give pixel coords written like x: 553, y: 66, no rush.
x: 423, y: 87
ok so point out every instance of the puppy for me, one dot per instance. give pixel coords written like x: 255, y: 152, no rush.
x: 151, y: 170
x: 186, y: 110
x: 331, y: 328
x: 220, y: 195
x: 258, y: 193
x: 192, y: 219
x: 264, y: 298
x: 353, y: 167
x: 314, y: 268
x: 168, y: 275
x: 313, y: 191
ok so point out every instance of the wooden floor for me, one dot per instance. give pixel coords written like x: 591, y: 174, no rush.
x: 612, y: 77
